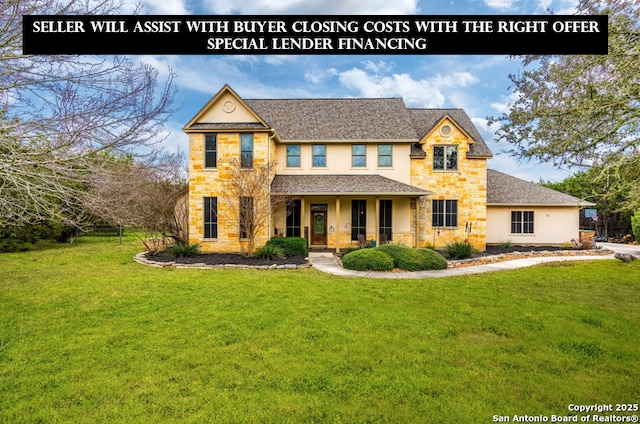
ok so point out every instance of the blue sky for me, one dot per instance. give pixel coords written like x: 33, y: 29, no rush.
x: 477, y: 84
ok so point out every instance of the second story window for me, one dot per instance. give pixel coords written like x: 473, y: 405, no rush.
x: 210, y: 151
x: 358, y: 155
x: 246, y: 150
x: 445, y: 158
x: 384, y: 155
x: 319, y: 155
x: 293, y: 155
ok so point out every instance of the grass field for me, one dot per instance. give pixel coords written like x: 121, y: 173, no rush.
x: 87, y: 335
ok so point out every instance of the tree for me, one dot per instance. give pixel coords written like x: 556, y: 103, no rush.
x: 635, y: 225
x: 608, y: 192
x: 248, y: 191
x: 141, y: 196
x: 581, y: 110
x: 57, y: 113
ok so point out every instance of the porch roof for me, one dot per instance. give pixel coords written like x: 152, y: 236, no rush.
x: 343, y: 184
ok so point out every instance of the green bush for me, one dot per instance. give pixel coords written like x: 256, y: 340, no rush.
x: 432, y: 259
x: 351, y: 249
x: 635, y: 225
x: 459, y: 250
x: 269, y: 251
x: 420, y: 260
x: 413, y: 259
x: 13, y: 245
x: 183, y: 250
x: 292, y: 246
x: 31, y: 234
x: 393, y: 250
x: 367, y: 260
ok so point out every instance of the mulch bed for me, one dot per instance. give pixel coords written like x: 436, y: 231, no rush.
x: 499, y: 254
x: 492, y: 254
x: 227, y: 259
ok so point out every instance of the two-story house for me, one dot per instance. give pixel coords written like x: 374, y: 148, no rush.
x: 350, y: 168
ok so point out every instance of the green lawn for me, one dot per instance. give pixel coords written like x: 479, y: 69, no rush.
x: 87, y: 335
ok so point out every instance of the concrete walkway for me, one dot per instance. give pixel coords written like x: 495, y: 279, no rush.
x: 325, y: 262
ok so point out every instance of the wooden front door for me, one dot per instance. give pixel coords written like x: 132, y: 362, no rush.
x: 318, y: 225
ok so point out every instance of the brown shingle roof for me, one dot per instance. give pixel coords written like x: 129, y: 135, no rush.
x: 503, y: 189
x: 342, y: 184
x: 336, y: 119
x: 425, y: 119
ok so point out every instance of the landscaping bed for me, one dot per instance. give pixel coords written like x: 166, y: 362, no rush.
x: 226, y: 259
x: 499, y: 254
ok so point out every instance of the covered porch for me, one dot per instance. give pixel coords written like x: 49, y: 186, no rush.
x: 338, y: 211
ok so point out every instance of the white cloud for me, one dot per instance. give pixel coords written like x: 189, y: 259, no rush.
x: 379, y: 66
x: 481, y: 124
x: 501, y: 4
x: 505, y: 105
x: 427, y: 92
x: 304, y: 7
x: 318, y: 76
x: 280, y: 59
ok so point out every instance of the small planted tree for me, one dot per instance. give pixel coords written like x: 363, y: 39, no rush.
x: 248, y: 191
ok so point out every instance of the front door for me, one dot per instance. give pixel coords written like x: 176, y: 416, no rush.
x: 318, y: 225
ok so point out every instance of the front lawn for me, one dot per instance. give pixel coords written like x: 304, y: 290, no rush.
x: 87, y: 335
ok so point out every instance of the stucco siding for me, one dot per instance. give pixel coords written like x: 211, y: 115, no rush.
x: 339, y: 157
x: 552, y: 225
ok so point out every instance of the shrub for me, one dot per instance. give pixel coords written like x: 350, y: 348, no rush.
x: 367, y: 260
x: 506, y: 244
x: 420, y: 260
x: 459, y: 250
x: 183, y: 250
x: 13, y: 245
x: 269, y: 251
x: 414, y: 259
x: 432, y: 259
x: 393, y: 250
x: 635, y: 225
x: 351, y: 249
x: 292, y: 246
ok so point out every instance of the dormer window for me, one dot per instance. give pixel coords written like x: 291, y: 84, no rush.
x: 445, y: 158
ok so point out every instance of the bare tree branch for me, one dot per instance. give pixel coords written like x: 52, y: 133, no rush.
x: 58, y: 113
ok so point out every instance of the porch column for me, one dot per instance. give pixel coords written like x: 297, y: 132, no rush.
x: 377, y: 223
x: 303, y: 214
x: 417, y: 238
x: 338, y: 224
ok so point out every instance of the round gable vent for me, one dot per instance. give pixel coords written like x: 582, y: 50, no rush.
x: 445, y: 130
x: 228, y: 106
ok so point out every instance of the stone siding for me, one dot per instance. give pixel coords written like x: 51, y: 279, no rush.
x: 467, y: 184
x: 211, y: 183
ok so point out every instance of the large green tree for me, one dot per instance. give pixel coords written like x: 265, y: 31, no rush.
x: 582, y: 109
x: 57, y: 113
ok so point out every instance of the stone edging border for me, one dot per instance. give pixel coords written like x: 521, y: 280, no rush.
x: 521, y: 255
x: 141, y: 258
